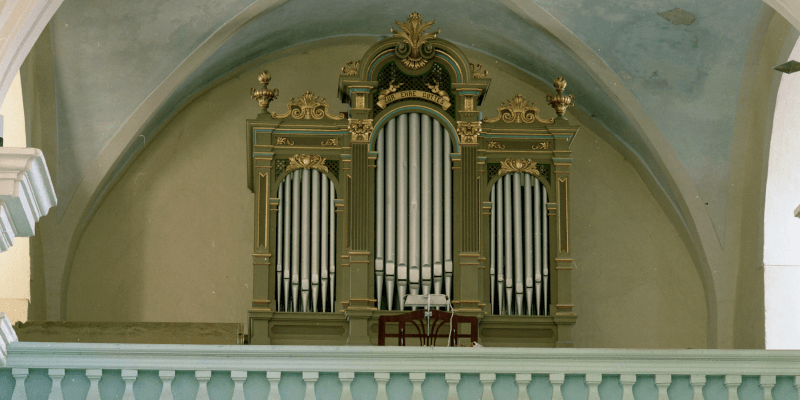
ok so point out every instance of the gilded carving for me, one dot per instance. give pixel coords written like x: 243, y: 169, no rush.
x: 441, y: 93
x: 517, y: 111
x: 303, y: 161
x: 385, y: 92
x: 541, y: 146
x: 468, y: 132
x: 307, y: 106
x: 476, y: 71
x: 284, y: 141
x: 331, y: 142
x: 351, y: 68
x: 264, y: 95
x: 512, y: 165
x: 468, y: 103
x: 495, y: 145
x: 560, y: 102
x: 360, y: 129
x: 361, y: 102
x: 415, y: 51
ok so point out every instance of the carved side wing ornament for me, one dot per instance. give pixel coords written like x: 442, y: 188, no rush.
x: 307, y: 106
x: 518, y: 111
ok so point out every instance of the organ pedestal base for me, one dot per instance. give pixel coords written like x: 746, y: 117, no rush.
x: 359, y: 323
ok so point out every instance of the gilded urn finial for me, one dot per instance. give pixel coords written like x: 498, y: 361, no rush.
x: 560, y: 102
x: 264, y: 95
x: 415, y: 51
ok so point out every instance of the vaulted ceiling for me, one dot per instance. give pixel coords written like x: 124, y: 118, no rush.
x: 663, y: 78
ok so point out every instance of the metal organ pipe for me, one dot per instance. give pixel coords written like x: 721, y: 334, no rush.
x: 323, y: 250
x: 279, y: 246
x: 499, y: 233
x: 545, y: 256
x: 518, y: 275
x: 413, y: 203
x: 509, y: 242
x: 425, y: 204
x: 402, y: 207
x: 379, y: 219
x: 448, y: 214
x: 529, y: 267
x: 391, y: 209
x: 305, y: 265
x: 537, y: 249
x: 438, y: 211
x: 315, y: 236
x: 295, y: 238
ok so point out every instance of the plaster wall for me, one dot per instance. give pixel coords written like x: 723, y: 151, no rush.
x: 172, y: 240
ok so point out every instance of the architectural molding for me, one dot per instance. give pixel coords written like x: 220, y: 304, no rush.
x: 7, y: 336
x: 26, y: 192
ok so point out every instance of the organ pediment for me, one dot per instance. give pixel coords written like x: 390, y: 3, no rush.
x: 412, y: 191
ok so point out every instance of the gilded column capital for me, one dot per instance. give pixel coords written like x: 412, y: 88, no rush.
x: 360, y: 129
x: 468, y: 132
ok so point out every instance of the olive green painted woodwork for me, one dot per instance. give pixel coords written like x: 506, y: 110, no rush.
x: 272, y: 137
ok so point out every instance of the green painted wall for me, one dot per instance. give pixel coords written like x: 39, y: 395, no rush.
x: 172, y: 241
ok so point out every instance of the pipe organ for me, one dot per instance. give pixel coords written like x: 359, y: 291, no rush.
x: 411, y: 191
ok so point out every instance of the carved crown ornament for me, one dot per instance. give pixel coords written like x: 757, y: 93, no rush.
x: 468, y: 132
x: 415, y: 51
x: 307, y: 106
x: 512, y: 165
x: 264, y: 95
x: 304, y: 161
x: 360, y: 129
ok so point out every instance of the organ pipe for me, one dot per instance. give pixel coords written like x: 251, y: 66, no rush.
x: 509, y: 242
x: 537, y: 220
x: 438, y: 211
x: 315, y: 236
x: 499, y: 233
x: 529, y: 239
x: 402, y: 207
x: 295, y: 238
x: 518, y: 275
x: 279, y: 247
x: 448, y: 214
x: 545, y: 256
x: 305, y: 265
x: 413, y: 203
x: 391, y: 210
x: 323, y: 244
x: 379, y: 219
x: 426, y: 210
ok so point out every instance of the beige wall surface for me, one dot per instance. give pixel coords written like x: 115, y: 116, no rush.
x: 173, y: 239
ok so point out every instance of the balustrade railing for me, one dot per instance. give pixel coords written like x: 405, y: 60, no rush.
x: 78, y: 371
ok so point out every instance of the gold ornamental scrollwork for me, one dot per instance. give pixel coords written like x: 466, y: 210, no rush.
x: 415, y: 51
x: 517, y: 111
x: 476, y: 71
x: 560, y: 102
x: 541, y: 146
x: 307, y: 106
x: 351, y: 68
x: 304, y: 161
x: 495, y: 145
x: 468, y: 132
x: 331, y: 142
x: 360, y: 129
x: 284, y: 141
x: 512, y: 165
x: 264, y: 95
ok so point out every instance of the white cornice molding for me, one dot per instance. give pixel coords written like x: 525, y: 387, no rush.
x: 401, y: 359
x: 7, y: 336
x: 26, y: 192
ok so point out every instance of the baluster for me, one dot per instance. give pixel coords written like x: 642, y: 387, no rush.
x: 310, y: 378
x: 767, y: 382
x: 697, y: 381
x: 452, y: 380
x: 202, y: 378
x: 346, y: 378
x: 487, y: 380
x: 557, y: 380
x: 733, y: 382
x: 593, y: 381
x: 166, y: 390
x: 627, y: 381
x: 382, y: 378
x: 238, y: 378
x: 19, y: 374
x: 416, y: 379
x: 129, y: 376
x: 94, y: 376
x: 663, y: 382
x: 274, y: 379
x: 522, y: 383
x: 56, y: 374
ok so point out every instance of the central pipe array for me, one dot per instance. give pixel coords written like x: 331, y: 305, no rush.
x: 413, y: 222
x: 306, y: 262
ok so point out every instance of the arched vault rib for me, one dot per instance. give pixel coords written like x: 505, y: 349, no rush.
x: 697, y: 228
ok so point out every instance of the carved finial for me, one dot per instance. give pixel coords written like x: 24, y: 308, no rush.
x: 476, y: 71
x: 351, y: 68
x: 560, y: 102
x: 304, y: 161
x: 415, y: 51
x: 264, y: 95
x: 512, y: 165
